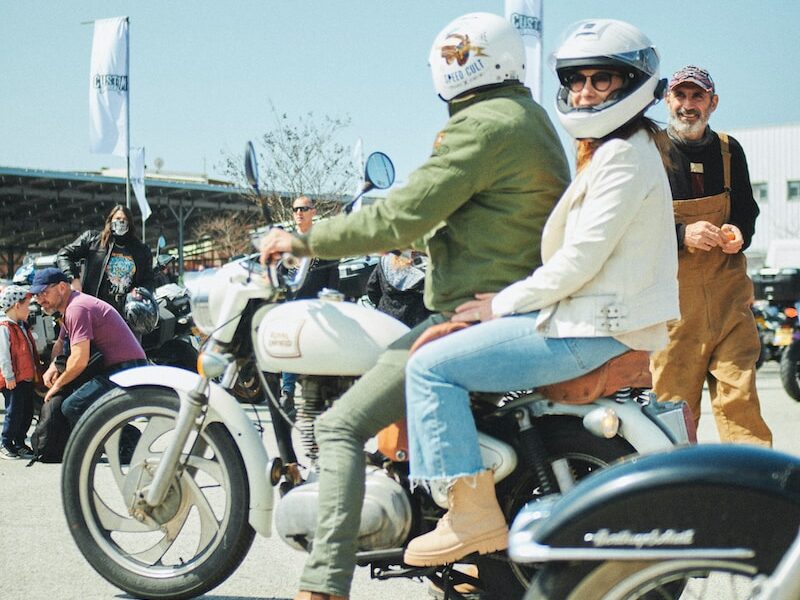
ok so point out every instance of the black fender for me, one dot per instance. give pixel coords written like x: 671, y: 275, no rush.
x: 702, y: 497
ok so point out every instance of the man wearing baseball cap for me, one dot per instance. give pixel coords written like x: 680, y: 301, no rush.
x: 715, y: 213
x: 91, y: 325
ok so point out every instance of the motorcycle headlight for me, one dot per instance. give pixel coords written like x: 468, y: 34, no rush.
x: 207, y: 293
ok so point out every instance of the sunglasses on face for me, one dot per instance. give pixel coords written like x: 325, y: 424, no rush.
x: 302, y: 209
x: 601, y: 81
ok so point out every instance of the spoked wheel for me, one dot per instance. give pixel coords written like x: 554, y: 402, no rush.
x: 186, y: 545
x: 565, y: 440
x: 668, y: 580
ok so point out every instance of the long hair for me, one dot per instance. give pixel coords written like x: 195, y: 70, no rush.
x: 586, y: 148
x: 105, y: 235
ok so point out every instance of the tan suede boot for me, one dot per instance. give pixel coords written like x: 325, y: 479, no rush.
x: 304, y: 595
x: 474, y: 523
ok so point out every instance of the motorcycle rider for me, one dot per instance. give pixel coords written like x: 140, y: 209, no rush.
x: 716, y: 339
x: 608, y: 285
x: 479, y: 204
x: 115, y: 260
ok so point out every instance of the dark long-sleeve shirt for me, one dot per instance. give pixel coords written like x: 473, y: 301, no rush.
x: 744, y: 209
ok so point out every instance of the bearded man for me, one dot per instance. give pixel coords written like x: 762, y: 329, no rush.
x: 716, y: 338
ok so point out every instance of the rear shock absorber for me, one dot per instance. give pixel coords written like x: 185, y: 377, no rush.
x: 534, y: 452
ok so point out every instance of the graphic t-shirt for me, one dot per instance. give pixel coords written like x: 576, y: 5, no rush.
x: 118, y: 277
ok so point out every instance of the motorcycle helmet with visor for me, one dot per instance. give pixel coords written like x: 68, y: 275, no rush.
x: 141, y: 311
x: 473, y: 51
x: 613, y: 48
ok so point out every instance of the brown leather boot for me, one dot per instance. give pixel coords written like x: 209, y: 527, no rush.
x: 304, y: 595
x: 474, y: 523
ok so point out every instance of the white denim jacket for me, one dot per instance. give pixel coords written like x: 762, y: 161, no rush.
x: 609, y: 252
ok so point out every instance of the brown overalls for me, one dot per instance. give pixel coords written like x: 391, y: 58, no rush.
x: 716, y: 338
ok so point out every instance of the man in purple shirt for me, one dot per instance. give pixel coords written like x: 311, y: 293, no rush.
x: 90, y: 325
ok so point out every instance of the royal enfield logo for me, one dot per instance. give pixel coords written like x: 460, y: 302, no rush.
x: 111, y: 83
x: 526, y: 24
x: 647, y: 539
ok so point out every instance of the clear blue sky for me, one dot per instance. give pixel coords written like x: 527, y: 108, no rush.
x: 202, y: 71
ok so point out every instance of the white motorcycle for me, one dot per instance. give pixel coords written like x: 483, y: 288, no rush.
x: 172, y: 513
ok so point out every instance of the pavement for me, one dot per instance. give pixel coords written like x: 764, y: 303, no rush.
x: 39, y: 560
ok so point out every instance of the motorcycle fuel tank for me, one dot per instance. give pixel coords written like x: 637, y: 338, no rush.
x: 323, y: 337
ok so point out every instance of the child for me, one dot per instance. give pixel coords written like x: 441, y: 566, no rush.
x: 19, y: 361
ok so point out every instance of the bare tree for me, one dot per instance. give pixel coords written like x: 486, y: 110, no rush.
x: 230, y: 231
x: 300, y: 157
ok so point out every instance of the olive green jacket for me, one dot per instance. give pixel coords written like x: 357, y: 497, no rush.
x: 478, y: 204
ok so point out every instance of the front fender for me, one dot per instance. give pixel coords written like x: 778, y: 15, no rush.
x: 222, y: 408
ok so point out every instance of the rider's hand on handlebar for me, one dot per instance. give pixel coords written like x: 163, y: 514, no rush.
x: 476, y: 310
x: 274, y: 245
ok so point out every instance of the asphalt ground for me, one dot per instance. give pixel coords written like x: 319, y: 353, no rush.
x: 39, y: 560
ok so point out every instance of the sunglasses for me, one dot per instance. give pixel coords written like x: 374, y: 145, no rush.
x: 601, y: 81
x: 302, y: 208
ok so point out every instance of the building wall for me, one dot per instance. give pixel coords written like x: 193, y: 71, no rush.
x: 773, y: 158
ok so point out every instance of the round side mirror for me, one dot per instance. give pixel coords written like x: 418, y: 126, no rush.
x: 162, y: 241
x: 379, y: 171
x: 251, y: 166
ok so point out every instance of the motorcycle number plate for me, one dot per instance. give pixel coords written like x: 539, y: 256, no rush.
x: 783, y: 337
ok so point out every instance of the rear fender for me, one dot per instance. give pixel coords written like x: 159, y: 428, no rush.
x: 726, y: 501
x: 635, y: 426
x: 222, y: 408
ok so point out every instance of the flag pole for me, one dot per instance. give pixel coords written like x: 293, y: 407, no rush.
x: 128, y: 118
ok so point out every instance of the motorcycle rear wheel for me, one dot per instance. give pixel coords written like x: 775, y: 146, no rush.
x: 564, y: 438
x: 645, y: 580
x: 185, y: 546
x: 790, y: 370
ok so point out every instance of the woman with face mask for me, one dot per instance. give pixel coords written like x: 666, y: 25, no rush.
x: 115, y: 260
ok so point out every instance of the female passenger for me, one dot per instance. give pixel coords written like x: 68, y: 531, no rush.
x: 608, y: 284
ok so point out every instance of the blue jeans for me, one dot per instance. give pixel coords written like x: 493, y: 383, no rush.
x: 496, y: 356
x: 19, y: 414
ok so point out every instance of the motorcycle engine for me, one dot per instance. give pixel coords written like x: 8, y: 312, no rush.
x: 385, y: 516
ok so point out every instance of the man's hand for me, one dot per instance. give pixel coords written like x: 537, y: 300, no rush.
x: 51, y: 392
x: 733, y: 239
x: 479, y: 309
x: 11, y: 384
x: 274, y: 244
x: 50, y: 376
x: 702, y: 235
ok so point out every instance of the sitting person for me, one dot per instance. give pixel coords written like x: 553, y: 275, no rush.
x: 608, y: 284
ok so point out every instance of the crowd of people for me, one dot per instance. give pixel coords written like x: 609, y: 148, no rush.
x: 641, y: 250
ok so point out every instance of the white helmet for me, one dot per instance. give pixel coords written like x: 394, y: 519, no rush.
x: 476, y: 50
x: 607, y: 43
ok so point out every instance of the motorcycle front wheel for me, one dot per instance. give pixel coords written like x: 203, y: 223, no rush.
x: 790, y: 370
x: 185, y: 546
x: 564, y: 438
x: 642, y: 580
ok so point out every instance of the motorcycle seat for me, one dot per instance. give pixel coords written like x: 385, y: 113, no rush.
x: 630, y: 369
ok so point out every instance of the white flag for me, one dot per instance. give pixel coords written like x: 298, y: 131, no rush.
x: 108, y: 88
x: 137, y: 181
x: 526, y: 17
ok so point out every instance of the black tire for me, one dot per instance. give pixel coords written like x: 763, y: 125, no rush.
x: 564, y: 438
x: 205, y: 509
x: 643, y: 580
x: 790, y: 370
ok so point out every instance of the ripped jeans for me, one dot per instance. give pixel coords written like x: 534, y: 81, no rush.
x: 497, y: 356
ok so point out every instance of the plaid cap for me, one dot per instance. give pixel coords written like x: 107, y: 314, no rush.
x: 695, y: 75
x: 11, y: 295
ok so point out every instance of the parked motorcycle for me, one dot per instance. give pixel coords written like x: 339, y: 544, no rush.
x: 176, y: 518
x: 681, y: 524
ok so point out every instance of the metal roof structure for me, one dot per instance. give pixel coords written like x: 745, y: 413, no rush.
x: 41, y: 211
